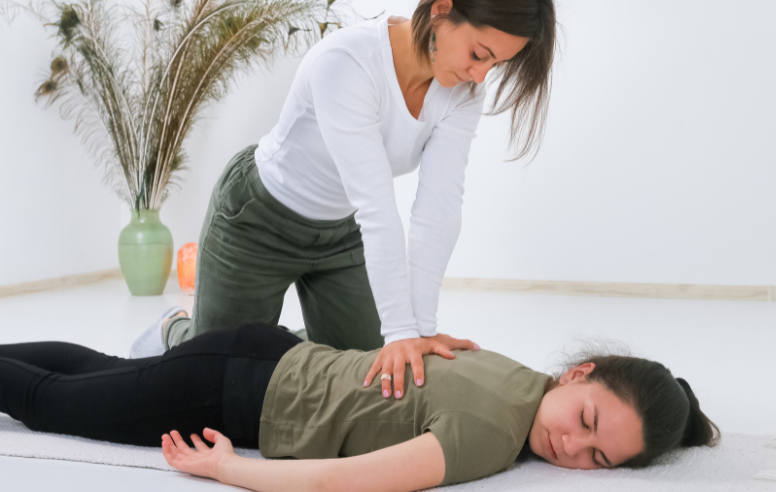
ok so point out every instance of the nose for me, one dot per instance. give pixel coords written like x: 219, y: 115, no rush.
x: 573, y: 445
x: 478, y: 72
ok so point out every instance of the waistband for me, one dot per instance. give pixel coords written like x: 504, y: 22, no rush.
x: 248, y: 161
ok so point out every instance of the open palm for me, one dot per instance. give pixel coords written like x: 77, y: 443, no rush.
x: 204, y: 460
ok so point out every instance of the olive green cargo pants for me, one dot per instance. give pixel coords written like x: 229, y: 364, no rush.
x: 252, y: 248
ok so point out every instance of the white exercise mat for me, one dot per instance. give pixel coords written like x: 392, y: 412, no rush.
x: 741, y: 463
x: 17, y: 440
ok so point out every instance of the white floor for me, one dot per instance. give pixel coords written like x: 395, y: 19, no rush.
x: 724, y: 349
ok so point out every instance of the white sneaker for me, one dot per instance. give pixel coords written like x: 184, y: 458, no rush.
x: 151, y: 342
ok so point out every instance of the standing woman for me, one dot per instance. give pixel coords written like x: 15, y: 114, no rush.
x: 313, y: 204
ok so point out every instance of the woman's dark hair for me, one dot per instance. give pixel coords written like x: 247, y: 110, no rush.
x: 524, y: 86
x: 669, y: 411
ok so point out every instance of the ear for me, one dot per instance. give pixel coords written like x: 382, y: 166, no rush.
x: 577, y: 374
x: 442, y: 7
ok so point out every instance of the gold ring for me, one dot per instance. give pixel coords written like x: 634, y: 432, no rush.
x: 385, y: 376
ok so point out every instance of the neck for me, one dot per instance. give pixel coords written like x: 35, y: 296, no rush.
x: 551, y: 385
x: 411, y: 72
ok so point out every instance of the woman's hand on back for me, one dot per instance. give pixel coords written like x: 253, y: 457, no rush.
x: 203, y: 462
x: 455, y: 343
x: 394, y: 357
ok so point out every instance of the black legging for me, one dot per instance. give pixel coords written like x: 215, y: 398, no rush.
x: 215, y: 380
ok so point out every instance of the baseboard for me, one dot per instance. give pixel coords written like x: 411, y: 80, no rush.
x: 59, y: 283
x: 755, y: 293
x: 618, y: 289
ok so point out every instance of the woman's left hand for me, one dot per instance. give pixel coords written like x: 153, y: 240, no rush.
x: 205, y: 461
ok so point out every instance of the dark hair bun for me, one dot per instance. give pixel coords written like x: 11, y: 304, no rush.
x: 699, y: 430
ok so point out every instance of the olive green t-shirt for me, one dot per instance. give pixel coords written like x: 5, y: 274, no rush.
x: 479, y: 406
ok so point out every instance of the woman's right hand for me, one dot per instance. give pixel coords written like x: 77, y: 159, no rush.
x: 395, y: 356
x: 205, y: 461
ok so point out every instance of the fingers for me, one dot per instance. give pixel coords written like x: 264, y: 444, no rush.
x: 211, y: 435
x: 201, y: 446
x: 172, y: 453
x: 378, y: 367
x: 169, y: 450
x: 386, y: 385
x: 418, y: 370
x: 392, y: 361
x: 374, y: 370
x: 464, y: 344
x: 221, y: 442
x: 441, y: 350
x: 398, y: 377
x: 183, y: 448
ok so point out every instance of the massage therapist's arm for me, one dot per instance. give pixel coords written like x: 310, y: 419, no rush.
x: 412, y: 465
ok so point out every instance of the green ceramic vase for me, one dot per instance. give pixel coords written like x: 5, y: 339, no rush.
x: 145, y: 253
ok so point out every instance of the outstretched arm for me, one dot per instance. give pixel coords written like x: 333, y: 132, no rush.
x: 412, y: 465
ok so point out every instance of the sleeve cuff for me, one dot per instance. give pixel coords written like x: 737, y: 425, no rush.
x: 401, y: 335
x: 429, y: 332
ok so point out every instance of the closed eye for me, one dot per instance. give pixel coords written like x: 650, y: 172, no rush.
x: 477, y: 58
x: 586, y: 427
x: 597, y: 464
x: 592, y: 454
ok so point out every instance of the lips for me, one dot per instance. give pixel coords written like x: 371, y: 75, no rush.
x: 552, y: 449
x: 459, y: 78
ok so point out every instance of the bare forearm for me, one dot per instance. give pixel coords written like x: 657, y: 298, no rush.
x: 275, y: 475
x: 413, y: 465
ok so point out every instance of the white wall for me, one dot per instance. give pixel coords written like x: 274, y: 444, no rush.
x: 658, y: 163
x: 56, y: 218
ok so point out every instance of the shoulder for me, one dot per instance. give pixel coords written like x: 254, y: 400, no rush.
x: 360, y: 42
x: 487, y: 386
x: 480, y: 367
x: 482, y: 410
x: 349, y: 59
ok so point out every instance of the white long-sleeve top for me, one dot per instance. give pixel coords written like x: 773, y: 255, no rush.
x: 343, y: 134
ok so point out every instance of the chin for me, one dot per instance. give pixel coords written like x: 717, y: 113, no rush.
x: 446, y: 79
x: 536, y: 442
x: 533, y: 436
x: 448, y: 84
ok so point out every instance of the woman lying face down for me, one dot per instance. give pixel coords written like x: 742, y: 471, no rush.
x: 261, y: 386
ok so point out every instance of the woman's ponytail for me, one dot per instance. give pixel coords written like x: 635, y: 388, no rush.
x: 700, y: 430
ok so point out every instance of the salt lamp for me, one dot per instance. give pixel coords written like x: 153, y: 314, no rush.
x: 187, y: 267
